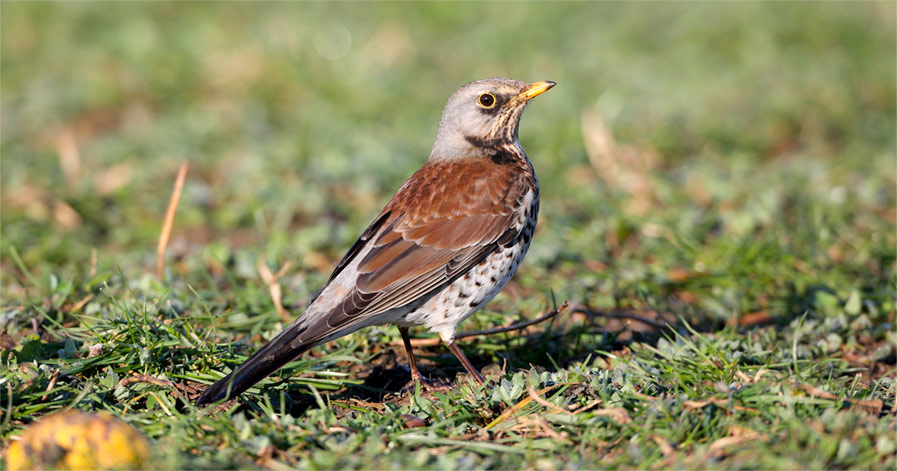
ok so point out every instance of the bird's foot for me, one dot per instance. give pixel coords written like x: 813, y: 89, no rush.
x: 430, y: 385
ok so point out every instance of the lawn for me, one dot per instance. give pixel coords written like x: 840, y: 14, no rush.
x: 719, y: 201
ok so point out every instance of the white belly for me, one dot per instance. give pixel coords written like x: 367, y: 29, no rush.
x: 443, y: 312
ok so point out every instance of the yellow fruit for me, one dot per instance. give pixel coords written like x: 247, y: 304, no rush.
x: 77, y: 440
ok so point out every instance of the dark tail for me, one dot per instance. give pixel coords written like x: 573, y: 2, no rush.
x: 278, y: 352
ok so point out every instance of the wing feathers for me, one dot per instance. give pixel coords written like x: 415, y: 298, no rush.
x: 435, y: 234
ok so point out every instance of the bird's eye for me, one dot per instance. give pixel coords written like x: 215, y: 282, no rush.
x: 486, y: 100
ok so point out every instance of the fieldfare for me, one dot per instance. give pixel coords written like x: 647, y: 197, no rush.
x: 445, y: 244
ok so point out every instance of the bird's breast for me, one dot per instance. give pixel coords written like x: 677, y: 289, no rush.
x: 467, y: 294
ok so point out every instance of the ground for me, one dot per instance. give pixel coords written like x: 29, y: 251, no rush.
x: 718, y: 207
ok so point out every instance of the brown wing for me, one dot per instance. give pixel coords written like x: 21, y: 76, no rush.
x: 446, y: 219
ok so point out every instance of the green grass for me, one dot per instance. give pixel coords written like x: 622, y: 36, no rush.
x: 749, y: 201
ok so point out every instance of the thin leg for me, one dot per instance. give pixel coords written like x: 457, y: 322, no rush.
x: 464, y: 361
x: 415, y: 374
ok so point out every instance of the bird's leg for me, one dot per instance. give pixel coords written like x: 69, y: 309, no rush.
x: 464, y: 361
x: 415, y: 374
x: 416, y: 377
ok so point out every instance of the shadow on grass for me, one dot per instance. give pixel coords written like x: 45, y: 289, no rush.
x: 574, y: 337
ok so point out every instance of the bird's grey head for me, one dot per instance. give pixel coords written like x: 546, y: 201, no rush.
x: 482, y: 114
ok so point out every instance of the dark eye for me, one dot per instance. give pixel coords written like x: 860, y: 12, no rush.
x: 486, y: 100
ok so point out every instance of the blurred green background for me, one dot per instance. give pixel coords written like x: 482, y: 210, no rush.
x: 300, y: 120
x: 746, y: 148
x: 730, y: 165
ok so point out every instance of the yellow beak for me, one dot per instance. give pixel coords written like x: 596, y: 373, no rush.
x: 535, y: 89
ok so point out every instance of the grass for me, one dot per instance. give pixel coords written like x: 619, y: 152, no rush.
x: 744, y: 210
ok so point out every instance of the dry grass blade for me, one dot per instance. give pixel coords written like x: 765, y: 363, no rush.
x: 587, y: 407
x: 721, y: 403
x: 716, y: 448
x: 65, y: 216
x: 520, y: 405
x: 759, y: 374
x: 636, y: 317
x: 169, y: 218
x: 270, y: 279
x: 664, y: 445
x: 78, y: 305
x: 703, y: 403
x: 737, y: 436
x: 537, y: 427
x: 52, y: 383
x: 125, y: 382
x: 93, y: 262
x: 622, y: 167
x: 619, y: 414
x: 536, y: 396
x: 69, y: 157
x: 875, y: 406
x: 816, y: 392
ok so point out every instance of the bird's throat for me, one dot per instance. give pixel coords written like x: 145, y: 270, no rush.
x: 501, y: 151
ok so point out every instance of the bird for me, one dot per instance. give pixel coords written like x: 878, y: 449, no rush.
x: 447, y: 242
